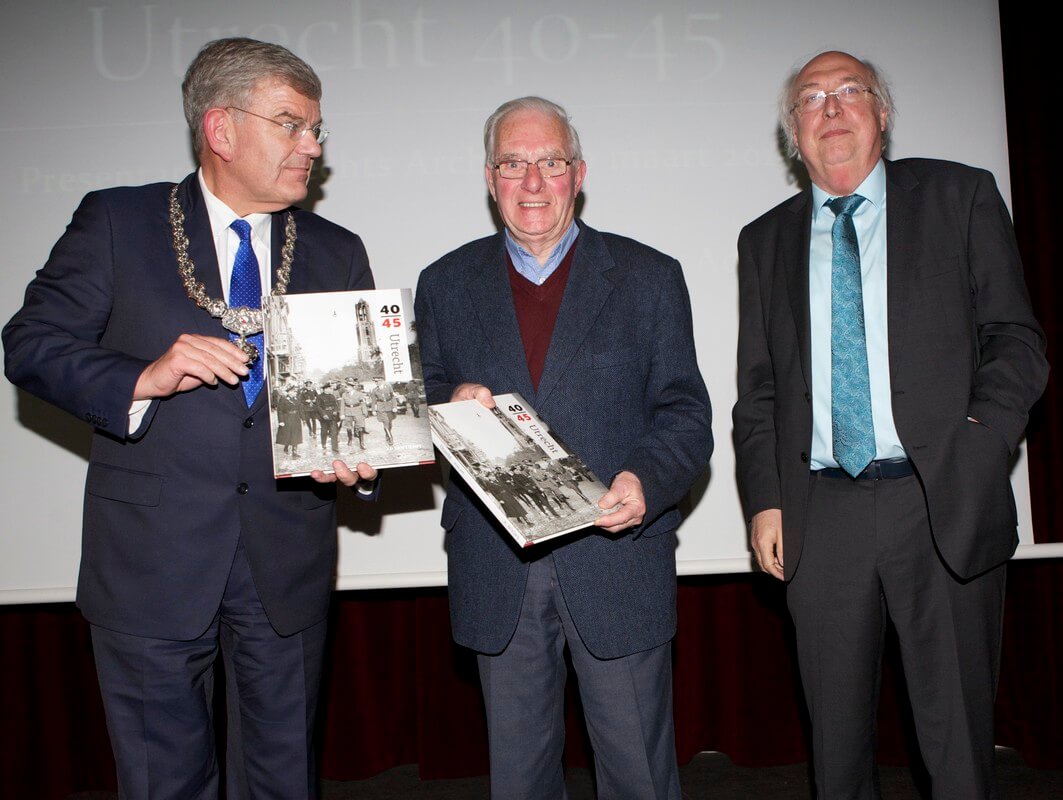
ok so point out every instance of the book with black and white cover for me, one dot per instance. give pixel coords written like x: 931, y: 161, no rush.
x: 525, y: 475
x: 343, y: 373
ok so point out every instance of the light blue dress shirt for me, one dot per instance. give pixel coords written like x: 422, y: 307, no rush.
x: 870, y: 222
x: 528, y: 265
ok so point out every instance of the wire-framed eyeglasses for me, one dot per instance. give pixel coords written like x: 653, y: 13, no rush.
x: 515, y: 168
x: 847, y: 95
x: 295, y: 129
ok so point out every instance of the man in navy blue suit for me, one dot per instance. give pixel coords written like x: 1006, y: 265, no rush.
x: 594, y: 330
x: 189, y: 544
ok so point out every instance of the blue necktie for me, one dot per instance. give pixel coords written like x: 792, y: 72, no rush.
x: 245, y: 289
x: 852, y: 427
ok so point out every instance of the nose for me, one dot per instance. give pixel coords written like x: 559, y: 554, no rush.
x: 832, y: 106
x: 533, y: 179
x: 307, y: 144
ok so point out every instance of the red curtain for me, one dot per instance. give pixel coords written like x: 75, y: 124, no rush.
x: 398, y: 691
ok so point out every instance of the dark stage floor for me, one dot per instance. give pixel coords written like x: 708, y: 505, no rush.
x: 711, y: 776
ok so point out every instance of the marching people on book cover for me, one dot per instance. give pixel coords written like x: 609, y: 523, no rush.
x: 524, y: 474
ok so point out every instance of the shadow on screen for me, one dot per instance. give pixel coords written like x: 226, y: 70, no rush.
x: 57, y: 426
x: 402, y: 490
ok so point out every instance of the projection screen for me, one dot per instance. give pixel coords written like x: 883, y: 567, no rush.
x: 675, y: 104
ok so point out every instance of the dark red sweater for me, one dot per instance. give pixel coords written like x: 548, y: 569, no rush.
x: 537, y: 308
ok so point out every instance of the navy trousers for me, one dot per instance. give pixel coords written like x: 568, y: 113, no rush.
x: 158, y: 698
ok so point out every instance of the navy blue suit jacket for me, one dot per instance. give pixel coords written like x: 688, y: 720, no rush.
x: 963, y: 342
x: 164, y: 509
x: 621, y: 387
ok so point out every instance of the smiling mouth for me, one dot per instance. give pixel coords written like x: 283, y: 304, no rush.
x: 533, y: 205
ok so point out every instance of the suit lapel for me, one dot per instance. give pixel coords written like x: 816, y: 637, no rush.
x: 794, y: 242
x: 903, y: 233
x: 301, y: 278
x: 587, y: 291
x: 203, y: 254
x: 902, y: 236
x: 491, y: 296
x: 201, y: 251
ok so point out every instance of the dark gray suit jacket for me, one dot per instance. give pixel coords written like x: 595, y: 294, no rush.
x: 164, y: 510
x: 963, y: 342
x: 620, y: 385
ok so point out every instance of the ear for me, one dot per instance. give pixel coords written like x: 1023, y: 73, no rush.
x: 789, y: 130
x: 219, y: 133
x: 489, y: 177
x: 581, y: 173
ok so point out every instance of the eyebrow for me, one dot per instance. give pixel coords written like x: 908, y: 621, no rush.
x: 521, y: 157
x: 295, y: 117
x: 846, y: 79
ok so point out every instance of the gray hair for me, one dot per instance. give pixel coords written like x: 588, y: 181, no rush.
x: 787, y: 113
x: 226, y: 71
x: 494, y: 121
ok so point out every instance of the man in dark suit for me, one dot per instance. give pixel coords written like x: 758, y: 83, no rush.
x: 189, y: 544
x: 887, y: 360
x: 594, y: 330
x: 328, y: 412
x: 308, y: 408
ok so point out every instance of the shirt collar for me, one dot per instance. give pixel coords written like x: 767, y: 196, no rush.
x: 873, y: 189
x: 221, y: 216
x: 528, y: 265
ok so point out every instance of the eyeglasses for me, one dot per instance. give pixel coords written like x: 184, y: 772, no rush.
x: 847, y: 95
x: 295, y: 129
x: 514, y: 169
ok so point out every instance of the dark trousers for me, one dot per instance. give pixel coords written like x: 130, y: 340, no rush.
x: 330, y: 429
x: 158, y: 694
x: 869, y: 557
x: 627, y: 702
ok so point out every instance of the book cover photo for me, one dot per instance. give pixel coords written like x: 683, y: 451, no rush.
x: 344, y: 378
x: 524, y: 474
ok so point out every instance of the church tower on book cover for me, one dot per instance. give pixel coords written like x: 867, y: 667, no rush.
x: 367, y: 347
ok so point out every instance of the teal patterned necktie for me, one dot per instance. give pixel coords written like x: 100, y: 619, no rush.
x: 245, y: 289
x: 852, y: 427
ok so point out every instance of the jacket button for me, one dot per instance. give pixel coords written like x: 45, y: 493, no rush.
x: 249, y: 422
x: 804, y: 457
x: 808, y: 397
x: 242, y: 488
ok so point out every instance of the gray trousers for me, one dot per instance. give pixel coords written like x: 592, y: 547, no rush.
x: 627, y: 702
x: 869, y: 557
